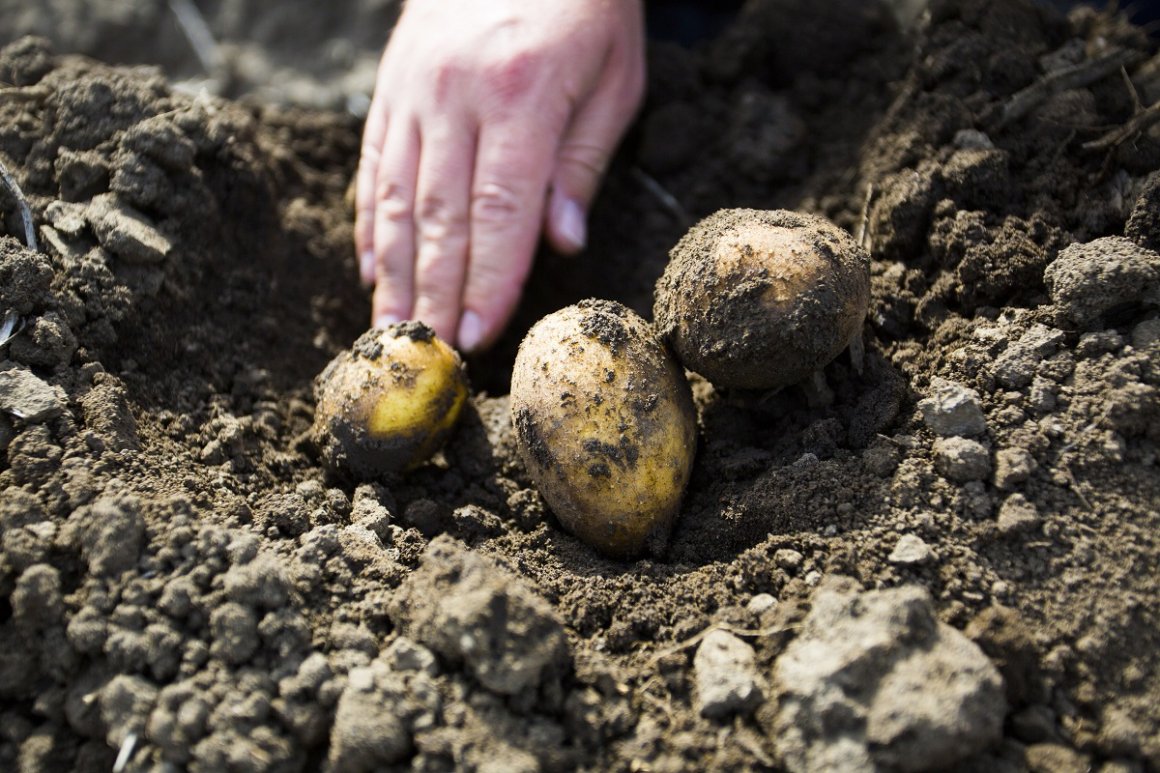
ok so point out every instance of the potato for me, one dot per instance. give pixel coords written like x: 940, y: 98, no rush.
x: 605, y: 425
x: 762, y: 299
x: 390, y: 402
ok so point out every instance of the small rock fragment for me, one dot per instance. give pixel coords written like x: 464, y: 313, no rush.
x: 28, y: 398
x: 760, y: 603
x: 788, y: 559
x: 910, y: 550
x: 1012, y: 467
x: 953, y: 409
x: 961, y: 459
x: 125, y: 232
x: 726, y: 675
x: 1018, y: 515
x: 1016, y: 367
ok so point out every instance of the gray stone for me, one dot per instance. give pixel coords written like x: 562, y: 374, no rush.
x: 29, y: 398
x: 125, y: 232
x: 874, y: 681
x: 953, y: 409
x: 910, y: 550
x: 1016, y: 366
x: 761, y: 603
x: 726, y: 676
x: 788, y: 559
x: 961, y: 459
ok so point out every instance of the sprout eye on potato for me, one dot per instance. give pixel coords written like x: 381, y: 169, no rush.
x: 761, y: 299
x: 390, y: 402
x: 605, y: 424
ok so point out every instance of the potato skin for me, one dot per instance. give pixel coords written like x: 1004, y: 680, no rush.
x: 761, y: 299
x: 389, y: 403
x: 605, y: 424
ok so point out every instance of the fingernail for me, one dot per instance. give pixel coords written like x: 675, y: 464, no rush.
x: 571, y: 224
x: 366, y: 266
x: 470, y: 334
x: 386, y: 320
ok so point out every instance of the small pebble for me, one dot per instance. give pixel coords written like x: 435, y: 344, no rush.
x: 911, y: 551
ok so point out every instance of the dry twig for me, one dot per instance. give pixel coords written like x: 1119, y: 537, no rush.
x: 1136, y: 125
x: 1074, y: 77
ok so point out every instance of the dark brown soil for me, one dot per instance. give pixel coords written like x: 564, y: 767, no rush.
x: 183, y: 586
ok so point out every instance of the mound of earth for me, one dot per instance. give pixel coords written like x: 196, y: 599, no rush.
x: 946, y: 557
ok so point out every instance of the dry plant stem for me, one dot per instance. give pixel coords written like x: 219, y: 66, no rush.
x: 9, y: 327
x: 1083, y: 74
x: 196, y: 30
x: 697, y: 637
x: 667, y: 200
x: 25, y: 211
x: 865, y: 219
x: 1137, y: 124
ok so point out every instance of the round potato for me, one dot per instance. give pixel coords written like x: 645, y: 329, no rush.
x: 390, y: 402
x: 761, y: 299
x: 604, y: 424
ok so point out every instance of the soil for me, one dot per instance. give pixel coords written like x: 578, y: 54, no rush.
x: 183, y: 586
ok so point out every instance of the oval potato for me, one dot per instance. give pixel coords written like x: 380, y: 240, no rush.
x: 761, y: 299
x: 605, y: 424
x: 390, y: 402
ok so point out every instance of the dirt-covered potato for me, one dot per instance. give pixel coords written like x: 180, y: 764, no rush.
x: 390, y: 402
x: 761, y: 299
x: 605, y: 424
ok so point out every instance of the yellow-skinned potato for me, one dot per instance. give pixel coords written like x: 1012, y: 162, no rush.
x: 605, y: 424
x: 761, y: 299
x: 390, y: 402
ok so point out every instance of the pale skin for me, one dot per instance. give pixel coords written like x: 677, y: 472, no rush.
x: 492, y: 123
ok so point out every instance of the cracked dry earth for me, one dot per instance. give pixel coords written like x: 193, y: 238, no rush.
x: 945, y: 561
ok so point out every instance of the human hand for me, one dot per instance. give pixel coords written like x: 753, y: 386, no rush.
x: 490, y: 120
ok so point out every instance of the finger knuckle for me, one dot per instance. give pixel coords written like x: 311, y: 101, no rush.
x: 588, y: 158
x: 392, y: 203
x: 495, y: 204
x: 446, y: 81
x: 439, y: 221
x: 510, y: 78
